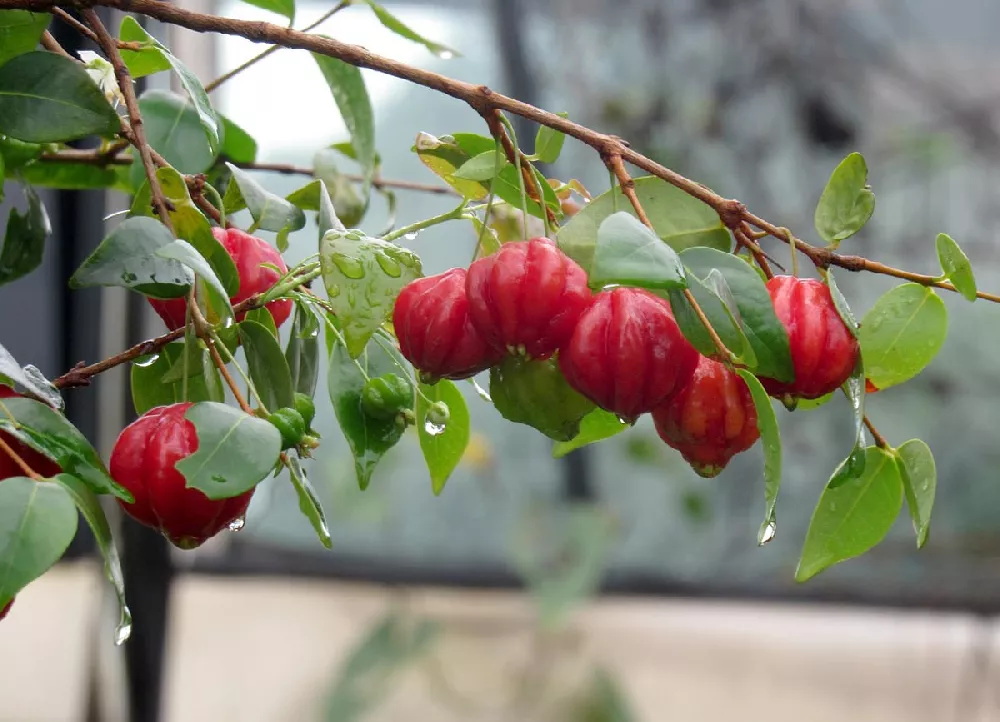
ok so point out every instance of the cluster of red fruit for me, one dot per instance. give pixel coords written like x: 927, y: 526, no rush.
x: 621, y: 348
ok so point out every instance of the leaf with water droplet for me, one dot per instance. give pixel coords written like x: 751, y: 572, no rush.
x: 30, y: 379
x: 902, y: 334
x: 309, y: 503
x: 919, y: 474
x: 854, y: 388
x: 854, y: 513
x: 360, y: 268
x: 443, y: 438
x: 956, y: 266
x: 90, y: 507
x: 770, y: 435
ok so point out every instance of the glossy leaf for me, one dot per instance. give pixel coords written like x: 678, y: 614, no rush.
x: 49, y: 432
x: 37, y: 523
x: 128, y: 258
x: 238, y: 146
x: 369, y: 438
x: 854, y: 514
x: 24, y: 240
x: 854, y: 389
x: 47, y: 98
x: 717, y: 314
x: 235, y: 450
x: 902, y: 333
x: 185, y: 253
x: 443, y: 449
x: 549, y: 142
x: 309, y: 503
x: 764, y: 332
x: 444, y: 157
x: 363, y: 276
x: 29, y: 379
x: 919, y: 474
x: 17, y: 154
x: 956, y: 266
x: 630, y: 254
x: 150, y: 59
x: 20, y: 32
x: 770, y: 436
x: 150, y: 389
x: 595, y: 426
x: 393, y: 23
x: 327, y: 220
x: 268, y: 367
x: 840, y: 303
x: 342, y: 191
x: 90, y: 507
x: 302, y: 353
x: 349, y: 92
x: 174, y: 129
x: 264, y: 318
x: 270, y: 212
x: 281, y: 7
x: 482, y: 167
x: 680, y: 220
x: 847, y: 201
x: 75, y: 176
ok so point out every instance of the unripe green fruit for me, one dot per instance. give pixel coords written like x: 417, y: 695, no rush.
x: 305, y: 405
x: 291, y: 425
x: 536, y: 393
x: 384, y: 397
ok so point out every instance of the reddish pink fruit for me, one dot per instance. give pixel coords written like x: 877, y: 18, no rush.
x: 39, y: 463
x: 527, y: 297
x: 248, y: 253
x: 627, y: 354
x: 710, y: 420
x: 824, y: 353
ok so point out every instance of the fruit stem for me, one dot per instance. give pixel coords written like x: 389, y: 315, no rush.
x: 880, y: 441
x: 213, y: 342
x: 451, y: 215
x: 742, y: 234
x: 292, y: 282
x: 28, y: 471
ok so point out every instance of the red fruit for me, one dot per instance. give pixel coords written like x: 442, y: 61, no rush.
x: 248, y: 253
x: 627, y: 354
x: 143, y: 462
x: 710, y: 420
x: 40, y: 464
x: 527, y: 297
x: 431, y: 318
x: 824, y: 352
x: 3, y: 612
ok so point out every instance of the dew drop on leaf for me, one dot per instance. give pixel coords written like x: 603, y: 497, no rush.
x: 124, y: 629
x: 432, y: 428
x: 412, y: 236
x: 390, y: 266
x: 238, y: 523
x: 767, y: 533
x: 445, y: 54
x: 350, y: 267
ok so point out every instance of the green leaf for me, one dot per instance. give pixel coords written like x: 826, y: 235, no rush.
x: 281, y: 7
x: 350, y: 206
x: 264, y: 318
x: 549, y: 142
x: 444, y: 157
x: 270, y: 212
x: 630, y: 254
x: 363, y: 276
x: 30, y: 379
x: 369, y: 438
x: 770, y: 436
x: 173, y: 128
x: 902, y: 333
x: 17, y: 154
x: 919, y: 474
x: 327, y: 219
x: 196, y: 92
x: 854, y: 513
x: 128, y: 258
x: 847, y: 201
x: 268, y: 367
x: 956, y: 266
x: 482, y: 167
x: 37, y: 523
x: 764, y: 332
x: 150, y: 389
x: 238, y: 145
x: 75, y: 176
x: 24, y: 241
x: 595, y: 426
x: 235, y: 450
x: 680, y: 220
x: 148, y: 61
x: 309, y: 503
x: 20, y: 32
x: 185, y: 253
x: 302, y: 353
x: 49, y: 432
x: 348, y: 88
x: 717, y: 314
x: 442, y: 448
x: 840, y: 303
x: 393, y: 23
x: 47, y: 98
x: 89, y: 505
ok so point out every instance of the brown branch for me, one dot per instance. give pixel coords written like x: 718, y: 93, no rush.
x: 138, y: 135
x: 16, y: 458
x: 230, y: 382
x: 196, y: 186
x: 84, y: 30
x: 53, y: 46
x: 744, y: 241
x: 880, y: 441
x: 515, y: 157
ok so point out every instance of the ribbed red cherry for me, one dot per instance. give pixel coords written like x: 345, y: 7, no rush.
x: 710, y: 420
x: 248, y: 253
x: 527, y: 297
x: 39, y: 463
x: 824, y: 352
x: 143, y: 462
x: 627, y: 354
x: 436, y: 335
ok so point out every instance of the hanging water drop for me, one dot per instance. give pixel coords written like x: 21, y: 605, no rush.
x: 432, y: 428
x: 445, y: 54
x: 411, y: 236
x: 238, y: 523
x: 124, y: 629
x: 767, y: 532
x: 436, y: 418
x: 483, y: 393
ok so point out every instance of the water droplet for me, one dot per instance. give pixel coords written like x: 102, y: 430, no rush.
x: 129, y: 277
x: 350, y: 267
x: 333, y: 291
x: 411, y: 236
x: 218, y: 478
x: 148, y: 362
x: 124, y: 629
x: 432, y: 428
x: 767, y: 532
x: 389, y: 265
x: 483, y: 393
x: 445, y: 54
x: 238, y: 523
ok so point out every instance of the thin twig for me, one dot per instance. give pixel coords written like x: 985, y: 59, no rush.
x: 744, y: 241
x: 515, y: 157
x: 880, y: 441
x: 53, y: 46
x: 84, y: 30
x: 9, y: 450
x: 107, y: 44
x: 230, y: 382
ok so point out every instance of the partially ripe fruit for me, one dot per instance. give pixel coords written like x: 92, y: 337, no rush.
x: 435, y: 332
x: 824, y: 353
x: 627, y: 354
x: 710, y: 420
x: 39, y: 463
x: 248, y: 253
x: 143, y: 462
x: 527, y: 297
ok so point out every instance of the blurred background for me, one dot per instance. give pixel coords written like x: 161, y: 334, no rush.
x: 611, y: 585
